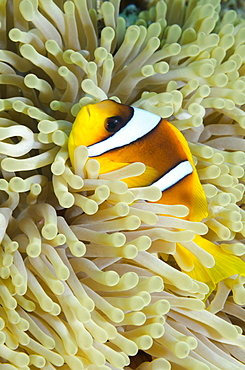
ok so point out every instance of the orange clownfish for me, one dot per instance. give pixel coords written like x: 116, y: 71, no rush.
x: 117, y: 134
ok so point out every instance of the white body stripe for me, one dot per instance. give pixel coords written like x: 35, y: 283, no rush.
x: 174, y: 175
x: 138, y: 126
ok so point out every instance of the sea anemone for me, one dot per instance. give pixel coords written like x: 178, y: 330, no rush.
x: 92, y: 276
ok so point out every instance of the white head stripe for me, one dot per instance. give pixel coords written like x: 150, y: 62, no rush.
x: 174, y: 175
x: 138, y: 126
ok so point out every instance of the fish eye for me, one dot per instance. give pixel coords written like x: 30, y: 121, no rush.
x: 113, y: 124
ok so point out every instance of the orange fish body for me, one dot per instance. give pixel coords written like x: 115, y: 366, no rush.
x: 117, y: 135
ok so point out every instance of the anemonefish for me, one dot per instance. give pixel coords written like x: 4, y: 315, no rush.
x: 117, y: 134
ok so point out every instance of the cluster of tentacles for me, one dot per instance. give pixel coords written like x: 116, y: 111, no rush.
x: 92, y: 276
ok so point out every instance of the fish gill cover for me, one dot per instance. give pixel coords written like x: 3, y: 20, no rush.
x: 91, y: 277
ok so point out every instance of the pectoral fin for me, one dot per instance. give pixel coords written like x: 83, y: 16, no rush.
x: 146, y: 178
x: 142, y: 180
x: 107, y: 165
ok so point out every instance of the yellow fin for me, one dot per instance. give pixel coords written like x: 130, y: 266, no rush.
x: 145, y: 179
x: 226, y: 265
x: 107, y: 165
